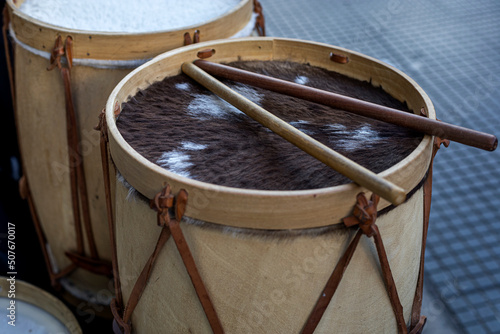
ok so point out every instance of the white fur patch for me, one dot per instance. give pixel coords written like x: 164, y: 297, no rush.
x: 300, y: 125
x: 354, y: 139
x: 190, y: 146
x: 183, y: 86
x: 204, y: 106
x: 301, y: 80
x: 177, y: 161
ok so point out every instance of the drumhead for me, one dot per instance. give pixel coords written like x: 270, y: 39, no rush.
x: 128, y: 16
x: 28, y: 309
x: 30, y: 319
x: 181, y: 126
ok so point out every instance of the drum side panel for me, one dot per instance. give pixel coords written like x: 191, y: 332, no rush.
x: 361, y: 304
x: 169, y: 303
x: 41, y: 124
x: 263, y: 285
x: 260, y: 284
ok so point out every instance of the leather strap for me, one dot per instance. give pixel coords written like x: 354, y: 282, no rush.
x: 260, y: 23
x: 419, y: 326
x: 24, y: 189
x: 196, y: 36
x: 78, y: 184
x: 143, y: 279
x: 75, y: 156
x: 196, y: 279
x: 54, y: 277
x: 416, y: 319
x: 162, y: 202
x: 10, y: 68
x: 389, y: 281
x: 105, y: 161
x: 96, y: 266
x: 189, y: 41
x: 331, y: 286
x: 119, y: 326
x: 364, y: 216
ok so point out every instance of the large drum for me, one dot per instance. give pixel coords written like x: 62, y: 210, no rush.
x: 56, y: 115
x: 28, y: 309
x: 255, y: 238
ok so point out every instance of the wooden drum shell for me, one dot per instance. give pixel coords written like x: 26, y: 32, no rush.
x: 41, y: 118
x: 259, y: 283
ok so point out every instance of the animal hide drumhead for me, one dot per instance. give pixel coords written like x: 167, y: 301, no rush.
x: 181, y: 126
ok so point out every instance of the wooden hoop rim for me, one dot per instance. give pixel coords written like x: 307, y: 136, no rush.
x: 124, y: 46
x: 260, y: 209
x: 43, y: 300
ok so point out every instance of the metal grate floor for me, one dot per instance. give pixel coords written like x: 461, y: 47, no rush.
x: 452, y: 50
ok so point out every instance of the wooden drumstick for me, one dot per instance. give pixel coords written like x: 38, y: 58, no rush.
x: 331, y: 158
x: 421, y: 124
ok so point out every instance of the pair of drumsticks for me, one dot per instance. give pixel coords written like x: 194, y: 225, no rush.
x: 359, y: 174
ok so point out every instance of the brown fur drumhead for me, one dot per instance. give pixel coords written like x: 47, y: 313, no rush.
x: 186, y: 129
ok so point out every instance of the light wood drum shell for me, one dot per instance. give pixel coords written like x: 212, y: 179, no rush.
x: 257, y: 282
x: 101, y: 60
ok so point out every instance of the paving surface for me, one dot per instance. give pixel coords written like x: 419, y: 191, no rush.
x: 452, y: 50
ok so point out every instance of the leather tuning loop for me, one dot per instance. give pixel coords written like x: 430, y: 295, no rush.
x: 63, y: 50
x: 170, y: 210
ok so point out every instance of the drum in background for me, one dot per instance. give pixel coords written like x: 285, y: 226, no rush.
x: 56, y: 118
x: 264, y: 256
x: 35, y: 310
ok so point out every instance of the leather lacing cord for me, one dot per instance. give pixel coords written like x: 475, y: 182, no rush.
x: 77, y: 174
x: 418, y: 321
x: 260, y: 23
x: 364, y: 216
x: 117, y: 302
x: 77, y: 183
x: 54, y: 277
x: 162, y: 202
x: 24, y: 189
